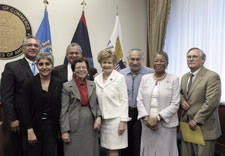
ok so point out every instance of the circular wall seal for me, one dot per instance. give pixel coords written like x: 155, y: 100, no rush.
x: 14, y: 26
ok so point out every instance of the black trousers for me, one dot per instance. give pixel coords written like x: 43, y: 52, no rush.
x: 46, y: 143
x: 134, y: 135
x: 16, y: 141
x: 60, y: 147
x: 11, y: 141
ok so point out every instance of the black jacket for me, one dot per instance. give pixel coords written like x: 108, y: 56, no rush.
x: 13, y: 78
x: 61, y: 73
x: 32, y: 100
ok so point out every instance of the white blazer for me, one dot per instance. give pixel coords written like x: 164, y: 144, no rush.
x: 168, y: 98
x: 112, y: 96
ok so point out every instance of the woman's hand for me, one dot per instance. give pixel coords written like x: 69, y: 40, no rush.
x: 66, y: 137
x: 122, y: 127
x: 98, y: 123
x: 151, y: 122
x: 32, y: 139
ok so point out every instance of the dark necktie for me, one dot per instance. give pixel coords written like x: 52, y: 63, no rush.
x: 190, y: 82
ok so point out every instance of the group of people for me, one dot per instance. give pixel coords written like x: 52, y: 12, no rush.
x: 65, y: 110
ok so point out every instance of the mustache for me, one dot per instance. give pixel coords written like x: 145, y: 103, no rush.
x: 135, y: 65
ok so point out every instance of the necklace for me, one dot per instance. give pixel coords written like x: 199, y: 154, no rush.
x: 105, y: 77
x: 160, y: 78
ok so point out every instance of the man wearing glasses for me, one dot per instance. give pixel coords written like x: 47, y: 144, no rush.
x: 200, y: 98
x: 13, y: 78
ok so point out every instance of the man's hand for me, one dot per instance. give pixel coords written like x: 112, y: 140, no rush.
x: 185, y: 105
x: 32, y: 139
x: 15, y: 126
x: 193, y: 124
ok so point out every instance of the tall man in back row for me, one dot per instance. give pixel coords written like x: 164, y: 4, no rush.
x: 200, y: 98
x: 133, y: 75
x: 64, y: 72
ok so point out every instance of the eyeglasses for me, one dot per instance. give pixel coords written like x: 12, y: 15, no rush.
x: 83, y: 67
x: 44, y: 63
x: 192, y: 57
x: 30, y: 45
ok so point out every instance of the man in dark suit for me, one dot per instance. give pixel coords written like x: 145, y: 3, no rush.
x: 200, y: 98
x: 13, y: 78
x: 64, y: 72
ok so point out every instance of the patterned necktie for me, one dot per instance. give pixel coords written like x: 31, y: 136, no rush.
x: 190, y: 82
x: 34, y: 69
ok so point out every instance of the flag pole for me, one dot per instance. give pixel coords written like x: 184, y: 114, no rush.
x: 83, y: 4
x: 46, y: 3
x: 117, y: 10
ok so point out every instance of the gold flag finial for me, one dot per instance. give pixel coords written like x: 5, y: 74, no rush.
x: 83, y: 4
x: 46, y: 3
x: 117, y: 10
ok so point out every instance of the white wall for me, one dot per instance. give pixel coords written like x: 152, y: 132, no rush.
x: 64, y: 16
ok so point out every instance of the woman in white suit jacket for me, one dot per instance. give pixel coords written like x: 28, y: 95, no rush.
x: 113, y: 102
x: 158, y: 102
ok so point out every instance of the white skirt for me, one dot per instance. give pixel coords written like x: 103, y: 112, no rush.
x: 110, y: 138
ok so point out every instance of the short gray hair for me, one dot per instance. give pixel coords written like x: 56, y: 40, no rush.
x: 135, y: 49
x: 202, y: 54
x: 29, y: 37
x: 45, y: 55
x: 73, y: 44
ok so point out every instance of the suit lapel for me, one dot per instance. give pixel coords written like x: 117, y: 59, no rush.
x: 74, y: 89
x: 111, y: 78
x: 26, y: 67
x: 65, y: 72
x: 90, y: 88
x: 99, y: 80
x: 197, y: 81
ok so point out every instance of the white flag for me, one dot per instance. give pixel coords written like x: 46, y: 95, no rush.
x: 115, y: 44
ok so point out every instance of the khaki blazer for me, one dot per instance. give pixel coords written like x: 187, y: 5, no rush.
x: 71, y: 104
x: 204, y: 99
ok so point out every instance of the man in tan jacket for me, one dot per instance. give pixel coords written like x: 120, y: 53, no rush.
x: 200, y: 98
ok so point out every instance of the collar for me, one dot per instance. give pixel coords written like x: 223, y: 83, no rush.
x: 128, y: 70
x: 29, y: 61
x: 80, y: 83
x: 68, y: 65
x: 196, y: 72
